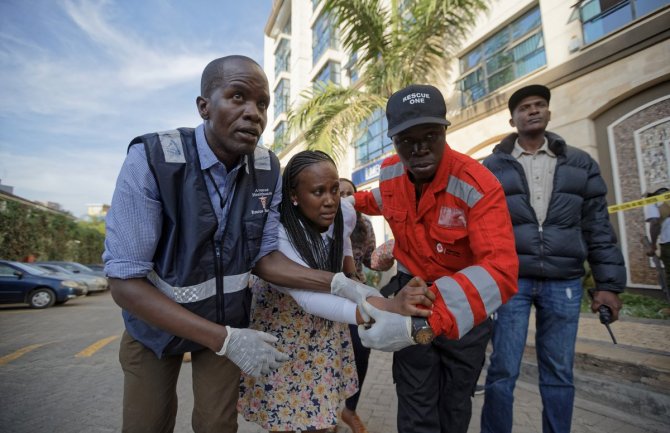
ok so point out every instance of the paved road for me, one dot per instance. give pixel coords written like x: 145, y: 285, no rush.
x: 59, y: 373
x: 45, y: 386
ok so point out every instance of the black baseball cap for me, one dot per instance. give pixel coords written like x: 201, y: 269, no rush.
x: 532, y: 90
x: 414, y: 105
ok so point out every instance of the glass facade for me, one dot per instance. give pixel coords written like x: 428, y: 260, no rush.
x: 511, y: 53
x: 351, y: 69
x: 329, y: 73
x: 324, y: 36
x: 280, y: 137
x: 283, y: 56
x: 601, y: 17
x: 373, y: 143
x: 282, y: 96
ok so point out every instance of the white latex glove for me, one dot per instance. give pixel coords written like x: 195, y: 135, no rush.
x: 251, y: 351
x: 389, y: 333
x: 353, y: 291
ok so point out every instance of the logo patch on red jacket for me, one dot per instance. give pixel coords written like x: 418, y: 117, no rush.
x: 452, y: 217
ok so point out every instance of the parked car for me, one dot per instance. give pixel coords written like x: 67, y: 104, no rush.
x: 77, y: 268
x: 92, y: 282
x: 95, y: 266
x: 36, y: 269
x: 22, y: 283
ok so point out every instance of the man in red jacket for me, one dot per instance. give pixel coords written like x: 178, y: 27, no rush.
x: 452, y: 229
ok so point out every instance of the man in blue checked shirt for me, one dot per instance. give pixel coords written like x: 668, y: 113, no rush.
x: 194, y: 211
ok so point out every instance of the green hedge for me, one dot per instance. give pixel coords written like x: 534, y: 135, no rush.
x: 26, y: 230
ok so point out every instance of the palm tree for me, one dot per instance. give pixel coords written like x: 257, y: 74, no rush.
x: 396, y: 43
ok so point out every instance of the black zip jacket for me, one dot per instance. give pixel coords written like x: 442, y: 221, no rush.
x: 577, y: 225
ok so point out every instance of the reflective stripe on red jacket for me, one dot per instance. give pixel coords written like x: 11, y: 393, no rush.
x: 459, y: 236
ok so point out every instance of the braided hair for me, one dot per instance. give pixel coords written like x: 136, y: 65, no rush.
x: 302, y: 234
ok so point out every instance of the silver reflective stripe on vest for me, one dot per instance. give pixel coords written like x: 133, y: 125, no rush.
x: 458, y: 304
x: 204, y: 290
x: 378, y: 197
x: 391, y: 171
x: 261, y: 159
x: 172, y: 146
x: 486, y: 286
x: 463, y: 190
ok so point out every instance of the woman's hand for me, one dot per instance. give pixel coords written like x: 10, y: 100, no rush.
x: 412, y: 300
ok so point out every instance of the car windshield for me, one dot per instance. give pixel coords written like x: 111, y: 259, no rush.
x: 31, y: 269
x: 75, y: 266
x: 58, y: 269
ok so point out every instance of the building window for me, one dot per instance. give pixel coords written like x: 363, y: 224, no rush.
x: 283, y: 57
x: 280, y: 138
x: 281, y: 96
x: 373, y: 143
x: 352, y: 69
x: 601, y: 17
x: 329, y: 73
x: 324, y: 36
x: 287, y: 27
x: 511, y: 53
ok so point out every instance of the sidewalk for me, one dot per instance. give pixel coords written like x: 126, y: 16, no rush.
x: 637, y: 368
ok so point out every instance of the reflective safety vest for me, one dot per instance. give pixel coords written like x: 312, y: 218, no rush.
x: 208, y: 276
x: 457, y: 236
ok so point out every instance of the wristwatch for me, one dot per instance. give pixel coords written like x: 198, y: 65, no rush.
x: 422, y: 333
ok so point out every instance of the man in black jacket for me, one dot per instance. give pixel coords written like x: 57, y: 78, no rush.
x: 556, y: 198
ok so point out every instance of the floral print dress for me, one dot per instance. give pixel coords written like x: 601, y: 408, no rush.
x: 306, y: 391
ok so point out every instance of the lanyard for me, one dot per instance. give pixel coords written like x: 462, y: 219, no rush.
x: 222, y: 202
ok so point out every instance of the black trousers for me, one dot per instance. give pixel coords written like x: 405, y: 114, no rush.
x: 361, y: 355
x: 435, y: 382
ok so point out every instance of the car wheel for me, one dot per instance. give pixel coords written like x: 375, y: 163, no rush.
x: 42, y: 298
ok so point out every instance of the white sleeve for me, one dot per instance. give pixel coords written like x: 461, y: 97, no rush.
x: 324, y: 305
x: 651, y: 211
x: 349, y: 217
x: 320, y: 304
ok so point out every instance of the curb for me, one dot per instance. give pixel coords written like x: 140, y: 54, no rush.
x: 631, y: 379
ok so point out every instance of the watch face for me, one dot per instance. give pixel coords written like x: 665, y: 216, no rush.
x: 424, y: 335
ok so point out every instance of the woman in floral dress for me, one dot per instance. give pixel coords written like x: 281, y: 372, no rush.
x: 306, y: 392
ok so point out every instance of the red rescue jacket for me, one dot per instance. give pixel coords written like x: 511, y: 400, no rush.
x: 458, y: 236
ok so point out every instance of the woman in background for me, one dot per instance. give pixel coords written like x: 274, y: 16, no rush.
x: 363, y: 244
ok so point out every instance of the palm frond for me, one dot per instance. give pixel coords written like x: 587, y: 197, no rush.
x: 434, y: 30
x: 331, y: 117
x: 364, y: 24
x: 393, y: 48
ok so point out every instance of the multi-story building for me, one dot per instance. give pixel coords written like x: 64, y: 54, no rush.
x: 607, y: 63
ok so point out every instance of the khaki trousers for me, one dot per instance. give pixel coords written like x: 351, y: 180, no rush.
x: 150, y: 390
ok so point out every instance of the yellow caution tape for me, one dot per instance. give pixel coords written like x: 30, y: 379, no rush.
x: 639, y: 203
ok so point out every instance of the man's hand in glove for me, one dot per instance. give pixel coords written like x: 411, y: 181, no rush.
x: 389, y: 333
x: 352, y: 290
x: 251, y: 350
